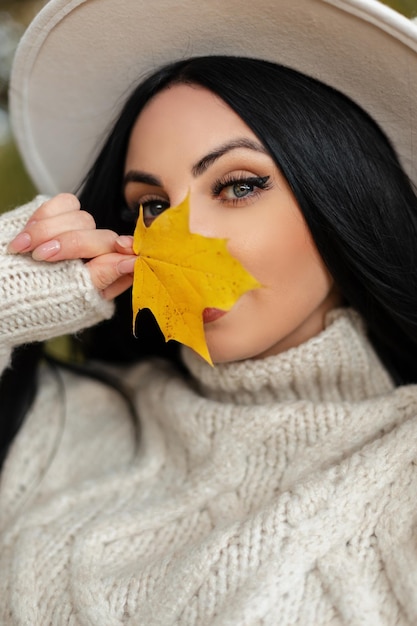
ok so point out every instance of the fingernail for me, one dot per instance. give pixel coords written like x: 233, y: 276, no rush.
x: 20, y: 243
x: 124, y: 241
x: 46, y: 250
x: 126, y: 266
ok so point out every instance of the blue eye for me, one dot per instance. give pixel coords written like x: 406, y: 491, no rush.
x: 153, y: 208
x: 238, y: 190
x: 235, y: 189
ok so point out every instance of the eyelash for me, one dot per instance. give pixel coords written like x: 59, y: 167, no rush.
x: 130, y: 213
x: 260, y: 182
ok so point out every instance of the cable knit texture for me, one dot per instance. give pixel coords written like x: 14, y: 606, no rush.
x: 274, y: 492
x: 41, y: 300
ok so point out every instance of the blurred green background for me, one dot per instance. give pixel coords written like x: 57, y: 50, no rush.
x: 15, y: 186
x: 15, y: 15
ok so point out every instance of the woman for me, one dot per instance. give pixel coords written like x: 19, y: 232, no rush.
x: 278, y: 486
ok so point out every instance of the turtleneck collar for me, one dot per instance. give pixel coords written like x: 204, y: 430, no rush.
x: 260, y: 426
x: 339, y: 364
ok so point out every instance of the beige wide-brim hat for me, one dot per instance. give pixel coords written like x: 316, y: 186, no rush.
x: 79, y: 60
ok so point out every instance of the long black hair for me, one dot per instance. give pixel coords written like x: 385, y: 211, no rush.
x: 356, y: 199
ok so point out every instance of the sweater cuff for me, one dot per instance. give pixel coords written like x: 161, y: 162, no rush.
x: 42, y: 300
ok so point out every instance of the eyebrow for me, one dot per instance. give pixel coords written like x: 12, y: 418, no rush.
x: 136, y: 176
x: 201, y: 166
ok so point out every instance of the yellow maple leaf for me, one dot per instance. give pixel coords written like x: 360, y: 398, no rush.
x: 178, y: 274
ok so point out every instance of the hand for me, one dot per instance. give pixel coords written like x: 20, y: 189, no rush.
x: 59, y: 230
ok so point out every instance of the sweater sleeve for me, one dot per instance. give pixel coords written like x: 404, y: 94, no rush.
x: 40, y: 300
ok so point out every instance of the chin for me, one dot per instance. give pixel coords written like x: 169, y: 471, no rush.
x: 228, y: 351
x: 232, y: 338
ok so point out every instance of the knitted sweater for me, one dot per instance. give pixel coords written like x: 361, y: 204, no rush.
x: 272, y: 492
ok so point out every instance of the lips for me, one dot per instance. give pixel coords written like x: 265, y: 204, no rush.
x: 211, y: 314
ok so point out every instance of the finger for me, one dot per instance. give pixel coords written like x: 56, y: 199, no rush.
x: 124, y: 244
x: 76, y: 244
x: 118, y: 287
x: 61, y: 203
x: 44, y: 230
x: 108, y: 268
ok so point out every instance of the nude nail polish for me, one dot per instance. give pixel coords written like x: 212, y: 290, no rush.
x: 46, y: 250
x: 20, y: 243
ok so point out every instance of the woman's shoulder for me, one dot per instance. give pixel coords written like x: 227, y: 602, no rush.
x: 77, y: 430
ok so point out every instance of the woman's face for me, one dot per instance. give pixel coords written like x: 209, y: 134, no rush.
x: 188, y: 140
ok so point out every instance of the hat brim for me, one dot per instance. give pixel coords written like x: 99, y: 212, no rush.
x: 80, y: 59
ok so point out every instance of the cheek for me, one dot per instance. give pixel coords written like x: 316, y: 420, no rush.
x: 285, y: 261
x: 289, y: 309
x: 277, y: 251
